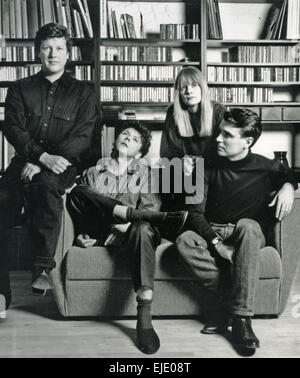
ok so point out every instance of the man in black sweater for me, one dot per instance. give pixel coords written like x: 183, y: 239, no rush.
x: 228, y: 229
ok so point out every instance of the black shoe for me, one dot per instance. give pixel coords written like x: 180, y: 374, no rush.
x: 147, y: 340
x: 41, y: 282
x: 242, y: 334
x: 218, y: 326
x: 173, y: 222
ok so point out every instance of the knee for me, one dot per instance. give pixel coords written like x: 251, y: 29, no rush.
x: 143, y: 228
x: 249, y: 225
x: 190, y: 239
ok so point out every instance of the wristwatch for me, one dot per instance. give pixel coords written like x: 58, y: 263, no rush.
x: 216, y: 241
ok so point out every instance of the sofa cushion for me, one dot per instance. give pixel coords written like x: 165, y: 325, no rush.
x: 99, y: 263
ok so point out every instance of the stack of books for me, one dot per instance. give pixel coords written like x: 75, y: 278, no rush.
x: 179, y: 31
x: 22, y: 18
x: 214, y: 27
x: 284, y: 21
x: 136, y: 53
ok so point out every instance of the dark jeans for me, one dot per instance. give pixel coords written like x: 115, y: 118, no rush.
x: 215, y: 273
x: 92, y: 216
x: 43, y: 199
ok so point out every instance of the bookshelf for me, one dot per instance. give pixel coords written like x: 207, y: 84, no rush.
x: 125, y: 64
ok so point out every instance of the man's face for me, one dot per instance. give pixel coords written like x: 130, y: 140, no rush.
x: 231, y: 144
x: 129, y: 143
x: 54, y: 55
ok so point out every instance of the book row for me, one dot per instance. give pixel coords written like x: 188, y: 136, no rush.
x: 265, y: 54
x: 3, y: 93
x: 179, y: 31
x: 15, y: 73
x: 84, y: 73
x: 27, y: 54
x: 22, y: 18
x: 253, y: 74
x: 137, y: 94
x: 242, y: 95
x: 293, y: 18
x: 157, y: 73
x: 214, y: 27
x: 116, y: 22
x: 136, y: 53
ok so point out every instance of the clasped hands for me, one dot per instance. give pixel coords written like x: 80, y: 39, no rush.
x: 56, y: 164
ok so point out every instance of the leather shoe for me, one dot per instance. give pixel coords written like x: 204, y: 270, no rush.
x: 217, y: 326
x: 243, y: 335
x: 41, y: 282
x: 173, y: 222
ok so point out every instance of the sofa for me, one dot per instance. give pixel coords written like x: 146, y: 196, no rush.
x: 97, y: 281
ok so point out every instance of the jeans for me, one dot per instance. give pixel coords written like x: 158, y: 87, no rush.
x: 92, y: 216
x: 216, y: 273
x: 43, y: 198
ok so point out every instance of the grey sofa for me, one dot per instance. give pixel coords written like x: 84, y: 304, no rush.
x: 96, y: 281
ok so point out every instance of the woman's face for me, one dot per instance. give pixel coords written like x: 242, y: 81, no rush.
x: 191, y: 95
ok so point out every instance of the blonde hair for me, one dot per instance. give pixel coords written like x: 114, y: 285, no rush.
x: 181, y: 114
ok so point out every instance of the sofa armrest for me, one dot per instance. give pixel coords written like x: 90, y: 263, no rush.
x: 64, y: 244
x: 287, y: 239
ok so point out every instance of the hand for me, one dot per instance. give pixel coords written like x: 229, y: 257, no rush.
x: 284, y: 200
x: 226, y: 251
x: 188, y: 165
x: 29, y: 171
x: 56, y: 164
x: 84, y: 241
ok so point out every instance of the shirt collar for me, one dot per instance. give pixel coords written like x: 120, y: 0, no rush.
x: 63, y: 80
x: 106, y: 164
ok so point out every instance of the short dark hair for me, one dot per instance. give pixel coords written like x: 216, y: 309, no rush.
x: 51, y: 30
x: 145, y: 134
x: 246, y: 120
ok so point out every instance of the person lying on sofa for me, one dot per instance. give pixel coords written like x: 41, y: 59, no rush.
x: 228, y: 229
x: 115, y: 203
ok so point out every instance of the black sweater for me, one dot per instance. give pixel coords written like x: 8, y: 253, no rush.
x: 236, y: 190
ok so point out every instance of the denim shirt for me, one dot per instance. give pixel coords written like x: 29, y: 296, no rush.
x: 135, y: 187
x: 57, y: 118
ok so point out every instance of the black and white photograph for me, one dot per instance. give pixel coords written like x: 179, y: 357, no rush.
x: 149, y: 182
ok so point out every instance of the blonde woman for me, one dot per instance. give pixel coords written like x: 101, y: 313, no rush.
x: 192, y: 122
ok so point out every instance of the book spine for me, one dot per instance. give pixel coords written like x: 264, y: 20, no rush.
x: 12, y: 19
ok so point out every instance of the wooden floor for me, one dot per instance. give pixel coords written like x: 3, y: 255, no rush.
x: 34, y: 329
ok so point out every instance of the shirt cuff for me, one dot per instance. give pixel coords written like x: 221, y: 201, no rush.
x: 36, y: 153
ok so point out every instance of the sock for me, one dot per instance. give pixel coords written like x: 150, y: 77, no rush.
x: 148, y: 341
x: 144, y: 313
x: 154, y: 217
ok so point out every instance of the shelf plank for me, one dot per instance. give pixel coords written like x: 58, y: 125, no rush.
x: 146, y: 42
x: 221, y: 42
x: 145, y: 104
x: 139, y: 63
x: 265, y: 104
x: 137, y: 82
x: 33, y: 62
x: 238, y: 64
x: 252, y: 84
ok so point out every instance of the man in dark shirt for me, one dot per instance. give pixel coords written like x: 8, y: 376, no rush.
x: 49, y: 120
x: 228, y: 229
